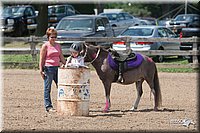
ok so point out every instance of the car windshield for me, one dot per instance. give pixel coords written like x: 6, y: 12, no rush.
x: 56, y: 10
x: 138, y: 32
x: 75, y: 24
x: 184, y: 18
x: 111, y: 16
x: 13, y: 11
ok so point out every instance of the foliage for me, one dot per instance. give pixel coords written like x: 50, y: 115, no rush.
x: 155, y: 10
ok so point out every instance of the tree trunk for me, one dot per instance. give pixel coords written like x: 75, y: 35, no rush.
x: 42, y: 19
x: 99, y: 8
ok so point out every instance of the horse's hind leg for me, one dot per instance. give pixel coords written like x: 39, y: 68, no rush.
x: 139, y: 94
x: 151, y: 85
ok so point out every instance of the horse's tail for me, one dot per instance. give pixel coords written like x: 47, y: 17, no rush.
x: 158, y: 96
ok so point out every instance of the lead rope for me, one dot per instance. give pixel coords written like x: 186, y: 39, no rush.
x: 97, y: 55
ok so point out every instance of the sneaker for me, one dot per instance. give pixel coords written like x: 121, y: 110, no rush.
x: 51, y: 110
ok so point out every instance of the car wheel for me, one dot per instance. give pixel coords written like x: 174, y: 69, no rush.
x: 159, y: 58
x: 20, y: 30
x: 31, y: 32
x: 190, y: 59
x: 114, y: 25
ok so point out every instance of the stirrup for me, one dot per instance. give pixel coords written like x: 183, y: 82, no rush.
x: 120, y: 79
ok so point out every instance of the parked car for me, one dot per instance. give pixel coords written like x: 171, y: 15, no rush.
x: 121, y: 20
x: 164, y: 22
x: 148, y: 31
x: 18, y: 20
x: 185, y: 20
x: 57, y: 12
x: 189, y: 32
x: 78, y: 26
x: 144, y: 22
x: 150, y: 20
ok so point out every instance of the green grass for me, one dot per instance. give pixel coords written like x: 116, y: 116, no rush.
x: 175, y: 60
x: 16, y: 58
x: 178, y: 70
x: 19, y: 62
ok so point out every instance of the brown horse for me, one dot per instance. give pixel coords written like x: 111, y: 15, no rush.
x: 147, y: 70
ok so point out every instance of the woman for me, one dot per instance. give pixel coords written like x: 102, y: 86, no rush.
x: 50, y: 58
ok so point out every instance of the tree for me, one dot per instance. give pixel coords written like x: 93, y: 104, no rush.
x: 84, y: 8
x: 42, y: 19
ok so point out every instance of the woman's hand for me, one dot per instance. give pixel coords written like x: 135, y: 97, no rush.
x: 62, y: 66
x: 42, y: 74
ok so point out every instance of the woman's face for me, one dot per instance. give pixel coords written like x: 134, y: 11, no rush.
x: 74, y: 54
x: 52, y: 38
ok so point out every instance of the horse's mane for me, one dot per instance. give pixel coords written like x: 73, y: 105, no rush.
x: 104, y: 48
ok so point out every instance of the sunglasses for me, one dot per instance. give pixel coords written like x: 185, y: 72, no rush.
x: 53, y: 37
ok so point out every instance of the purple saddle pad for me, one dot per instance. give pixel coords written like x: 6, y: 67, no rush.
x: 130, y: 64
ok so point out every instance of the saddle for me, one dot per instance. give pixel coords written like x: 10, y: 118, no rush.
x: 122, y: 60
x: 122, y: 56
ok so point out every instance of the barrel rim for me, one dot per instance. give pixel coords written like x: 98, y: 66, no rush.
x: 63, y: 84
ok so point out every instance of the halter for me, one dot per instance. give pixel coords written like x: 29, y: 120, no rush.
x: 97, y: 54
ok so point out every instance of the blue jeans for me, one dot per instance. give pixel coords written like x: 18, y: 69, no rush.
x: 51, y: 73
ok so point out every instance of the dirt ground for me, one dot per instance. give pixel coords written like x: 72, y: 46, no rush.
x: 23, y: 108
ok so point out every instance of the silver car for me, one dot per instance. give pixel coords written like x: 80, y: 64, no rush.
x: 120, y: 21
x: 148, y: 31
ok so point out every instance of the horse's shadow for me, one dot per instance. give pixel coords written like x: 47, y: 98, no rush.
x: 120, y: 113
x: 114, y: 113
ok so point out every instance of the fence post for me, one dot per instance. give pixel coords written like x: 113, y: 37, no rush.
x: 127, y: 43
x: 195, y: 57
x: 33, y: 49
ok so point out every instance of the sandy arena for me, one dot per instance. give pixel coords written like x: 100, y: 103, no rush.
x: 23, y: 108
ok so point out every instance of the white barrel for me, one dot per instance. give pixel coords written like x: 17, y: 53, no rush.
x: 73, y: 91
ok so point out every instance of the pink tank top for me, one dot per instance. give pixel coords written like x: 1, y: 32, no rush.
x: 53, y: 55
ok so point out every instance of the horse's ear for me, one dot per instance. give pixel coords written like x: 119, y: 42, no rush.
x: 86, y: 44
x: 111, y: 50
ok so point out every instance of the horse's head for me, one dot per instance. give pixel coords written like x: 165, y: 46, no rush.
x: 90, y: 52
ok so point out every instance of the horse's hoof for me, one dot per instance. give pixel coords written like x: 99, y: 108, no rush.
x: 155, y: 109
x: 105, y: 111
x: 133, y: 109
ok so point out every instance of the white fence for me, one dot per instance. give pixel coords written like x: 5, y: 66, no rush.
x: 34, y: 40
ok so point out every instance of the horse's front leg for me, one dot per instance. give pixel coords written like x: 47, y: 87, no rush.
x: 107, y: 87
x: 139, y: 94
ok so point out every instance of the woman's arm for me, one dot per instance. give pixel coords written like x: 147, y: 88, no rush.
x: 43, y: 51
x: 62, y: 58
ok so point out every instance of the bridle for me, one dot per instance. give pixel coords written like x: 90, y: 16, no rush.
x: 96, y: 56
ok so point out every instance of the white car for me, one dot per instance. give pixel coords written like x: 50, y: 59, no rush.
x: 148, y: 31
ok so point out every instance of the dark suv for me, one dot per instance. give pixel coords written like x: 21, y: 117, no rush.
x: 185, y: 20
x: 78, y: 26
x: 18, y: 20
x: 57, y: 12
